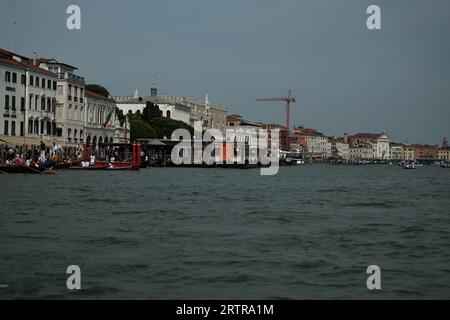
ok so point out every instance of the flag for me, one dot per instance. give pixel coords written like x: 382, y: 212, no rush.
x: 108, y: 118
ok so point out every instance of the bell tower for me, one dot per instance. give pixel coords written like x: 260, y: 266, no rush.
x: 153, y: 90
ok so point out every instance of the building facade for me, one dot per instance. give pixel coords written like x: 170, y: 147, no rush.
x: 378, y: 141
x: 175, y: 110
x: 212, y: 116
x: 408, y: 153
x: 361, y: 151
x: 396, y: 151
x: 70, y: 101
x: 44, y: 101
x: 425, y: 152
x: 100, y: 125
x: 339, y: 149
x: 315, y: 142
x: 28, y: 92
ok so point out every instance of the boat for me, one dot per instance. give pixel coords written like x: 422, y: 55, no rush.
x: 409, y: 166
x: 33, y: 169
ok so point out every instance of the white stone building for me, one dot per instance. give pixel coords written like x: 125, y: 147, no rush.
x: 70, y: 98
x: 100, y: 126
x: 27, y: 95
x: 175, y: 110
x: 396, y: 151
x: 378, y: 141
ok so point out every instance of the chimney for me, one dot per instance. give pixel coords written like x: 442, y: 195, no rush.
x: 346, y: 137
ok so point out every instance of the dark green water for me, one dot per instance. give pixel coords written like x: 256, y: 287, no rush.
x: 308, y: 232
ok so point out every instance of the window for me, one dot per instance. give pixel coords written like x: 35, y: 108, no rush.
x: 14, y: 77
x: 5, y: 132
x: 30, y: 126
x: 21, y: 128
x: 42, y: 103
x: 13, y: 128
x: 23, y: 79
x: 42, y: 126
x: 22, y: 103
x: 43, y: 83
x: 31, y: 81
x: 8, y: 76
x: 36, y: 99
x: 49, y: 84
x: 37, y: 81
x: 13, y: 104
x: 49, y: 104
x: 30, y: 101
x: 54, y: 85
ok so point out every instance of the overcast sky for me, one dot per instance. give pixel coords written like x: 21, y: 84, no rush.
x: 346, y: 78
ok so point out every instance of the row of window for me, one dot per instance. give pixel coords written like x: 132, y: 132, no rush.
x: 12, y: 132
x: 73, y: 93
x: 36, y: 81
x: 10, y: 103
x: 45, y: 103
x: 43, y: 83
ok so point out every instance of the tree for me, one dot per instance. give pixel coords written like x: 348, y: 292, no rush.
x: 150, y: 112
x: 120, y: 116
x: 164, y: 127
x: 96, y: 88
x: 141, y: 130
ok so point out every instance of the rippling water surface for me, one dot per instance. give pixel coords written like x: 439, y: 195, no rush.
x: 175, y: 233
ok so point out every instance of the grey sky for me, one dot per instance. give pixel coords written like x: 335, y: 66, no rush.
x: 346, y: 78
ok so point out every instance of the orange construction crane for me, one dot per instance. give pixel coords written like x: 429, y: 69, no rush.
x: 288, y: 101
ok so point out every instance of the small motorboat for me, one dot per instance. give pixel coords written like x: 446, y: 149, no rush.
x: 409, y: 166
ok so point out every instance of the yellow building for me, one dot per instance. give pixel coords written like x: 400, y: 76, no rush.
x: 409, y: 153
x: 443, y: 154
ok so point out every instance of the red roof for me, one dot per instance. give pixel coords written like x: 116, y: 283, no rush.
x: 6, y: 57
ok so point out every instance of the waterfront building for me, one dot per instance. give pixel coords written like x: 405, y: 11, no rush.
x: 408, y: 153
x: 212, y: 116
x: 177, y: 108
x: 245, y: 133
x: 444, y: 151
x: 339, y: 148
x: 27, y: 93
x: 378, y: 141
x: 396, y: 151
x: 316, y: 143
x: 70, y: 101
x: 281, y: 135
x: 425, y: 152
x: 101, y: 126
x: 361, y: 151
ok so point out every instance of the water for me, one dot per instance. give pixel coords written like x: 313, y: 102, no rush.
x: 176, y: 233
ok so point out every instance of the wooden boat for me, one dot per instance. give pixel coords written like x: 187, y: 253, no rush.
x: 33, y: 169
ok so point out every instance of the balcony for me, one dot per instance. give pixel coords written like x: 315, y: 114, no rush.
x: 70, y: 76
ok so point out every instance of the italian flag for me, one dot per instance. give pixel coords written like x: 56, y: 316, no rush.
x: 108, y: 118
